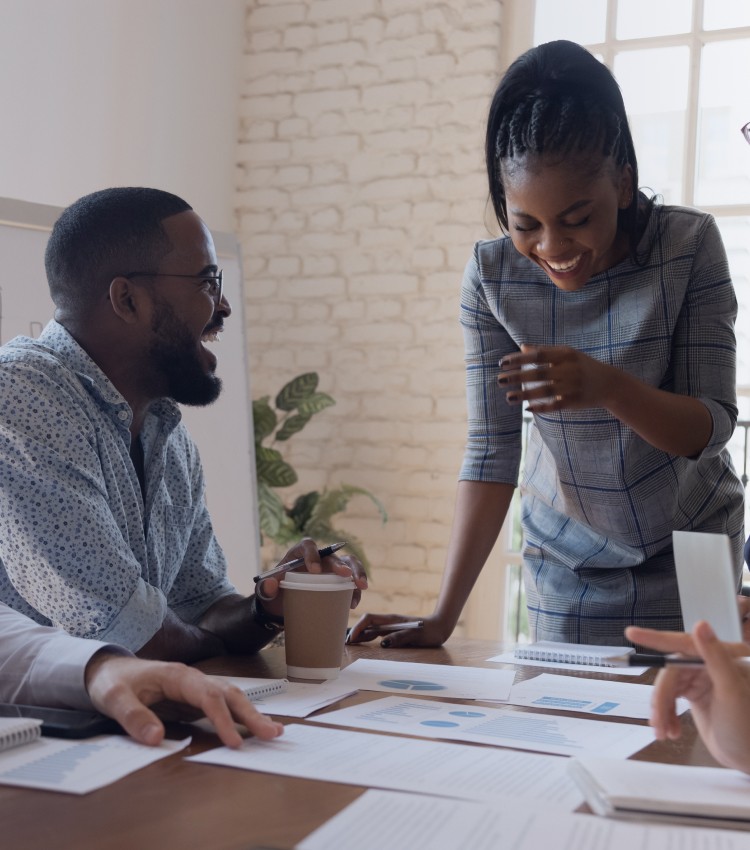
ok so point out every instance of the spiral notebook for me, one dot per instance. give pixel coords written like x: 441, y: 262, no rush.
x: 571, y: 653
x: 256, y: 688
x: 15, y: 731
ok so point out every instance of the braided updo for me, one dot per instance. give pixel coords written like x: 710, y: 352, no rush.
x: 558, y: 100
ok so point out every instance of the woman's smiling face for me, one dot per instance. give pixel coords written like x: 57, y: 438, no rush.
x: 562, y: 215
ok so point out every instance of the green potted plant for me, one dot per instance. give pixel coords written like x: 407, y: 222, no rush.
x: 312, y: 513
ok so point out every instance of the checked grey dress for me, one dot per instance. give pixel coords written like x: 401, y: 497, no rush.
x: 599, y: 504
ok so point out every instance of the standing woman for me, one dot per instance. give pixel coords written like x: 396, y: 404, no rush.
x: 612, y: 319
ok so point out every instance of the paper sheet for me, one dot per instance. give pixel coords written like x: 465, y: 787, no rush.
x: 592, y: 696
x: 77, y: 767
x: 498, y: 727
x: 383, y: 819
x: 436, y: 680
x: 510, y: 658
x: 403, y: 764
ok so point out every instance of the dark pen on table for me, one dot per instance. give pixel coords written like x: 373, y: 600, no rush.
x: 298, y: 562
x: 642, y: 659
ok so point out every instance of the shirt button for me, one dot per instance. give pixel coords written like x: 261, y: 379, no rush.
x: 122, y: 415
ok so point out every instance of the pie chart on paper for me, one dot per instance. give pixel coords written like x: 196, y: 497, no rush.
x: 411, y: 685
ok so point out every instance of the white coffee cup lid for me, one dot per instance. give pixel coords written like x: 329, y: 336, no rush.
x: 316, y: 581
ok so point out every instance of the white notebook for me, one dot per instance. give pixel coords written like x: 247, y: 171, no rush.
x: 15, y: 731
x: 571, y: 653
x: 703, y: 796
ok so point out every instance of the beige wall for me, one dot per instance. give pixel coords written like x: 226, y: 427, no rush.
x: 360, y: 194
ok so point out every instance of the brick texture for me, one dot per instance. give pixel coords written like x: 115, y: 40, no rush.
x: 360, y: 192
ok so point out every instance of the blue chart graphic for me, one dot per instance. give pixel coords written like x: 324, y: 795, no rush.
x: 467, y: 713
x: 411, y: 685
x: 441, y: 723
x: 56, y: 767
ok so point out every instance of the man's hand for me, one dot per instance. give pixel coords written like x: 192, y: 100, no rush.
x: 719, y: 691
x: 122, y: 687
x: 267, y: 590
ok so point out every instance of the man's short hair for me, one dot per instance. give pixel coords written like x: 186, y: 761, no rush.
x: 105, y: 234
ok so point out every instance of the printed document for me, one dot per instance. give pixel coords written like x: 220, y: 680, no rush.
x: 592, y: 696
x: 77, y: 767
x: 498, y: 727
x: 403, y: 764
x: 430, y: 680
x: 384, y: 819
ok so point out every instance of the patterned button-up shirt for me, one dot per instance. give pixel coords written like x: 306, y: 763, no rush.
x: 79, y: 548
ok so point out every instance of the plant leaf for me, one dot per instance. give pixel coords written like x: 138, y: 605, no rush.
x: 314, y: 404
x: 297, y: 390
x: 272, y: 469
x: 302, y: 509
x: 292, y: 425
x: 333, y: 501
x: 270, y: 510
x: 264, y: 418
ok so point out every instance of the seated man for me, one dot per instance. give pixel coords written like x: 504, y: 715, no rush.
x: 719, y: 691
x: 104, y: 529
x: 43, y: 666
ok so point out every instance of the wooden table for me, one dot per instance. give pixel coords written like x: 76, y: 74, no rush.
x: 177, y: 805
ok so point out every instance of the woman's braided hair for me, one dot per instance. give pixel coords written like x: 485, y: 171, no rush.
x: 557, y: 99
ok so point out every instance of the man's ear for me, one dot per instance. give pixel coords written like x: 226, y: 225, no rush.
x: 127, y: 299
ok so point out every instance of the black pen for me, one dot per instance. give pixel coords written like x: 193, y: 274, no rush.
x: 298, y: 562
x: 641, y: 659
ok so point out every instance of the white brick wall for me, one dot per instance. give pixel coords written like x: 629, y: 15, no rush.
x: 360, y: 193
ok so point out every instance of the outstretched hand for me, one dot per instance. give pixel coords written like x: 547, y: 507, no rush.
x: 718, y: 691
x: 432, y: 632
x: 123, y: 687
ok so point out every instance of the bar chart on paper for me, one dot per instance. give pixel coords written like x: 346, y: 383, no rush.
x: 77, y: 767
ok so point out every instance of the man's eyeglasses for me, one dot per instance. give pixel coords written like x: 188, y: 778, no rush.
x: 215, y: 281
x: 746, y: 132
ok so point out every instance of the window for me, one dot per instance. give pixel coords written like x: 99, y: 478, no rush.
x: 684, y: 70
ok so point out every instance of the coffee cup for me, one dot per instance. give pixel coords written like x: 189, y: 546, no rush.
x: 316, y: 614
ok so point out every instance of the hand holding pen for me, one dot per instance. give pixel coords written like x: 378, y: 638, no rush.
x: 718, y: 690
x: 307, y: 554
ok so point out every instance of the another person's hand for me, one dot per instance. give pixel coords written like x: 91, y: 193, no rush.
x: 267, y: 590
x: 432, y: 632
x: 122, y: 687
x: 561, y: 378
x: 743, y: 603
x: 718, y: 691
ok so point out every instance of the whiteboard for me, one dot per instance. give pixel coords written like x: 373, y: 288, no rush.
x: 223, y: 431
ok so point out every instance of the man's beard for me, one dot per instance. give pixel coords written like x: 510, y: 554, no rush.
x: 175, y: 363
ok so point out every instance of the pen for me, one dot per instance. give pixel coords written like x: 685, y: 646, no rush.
x: 298, y: 562
x: 395, y: 627
x: 642, y: 659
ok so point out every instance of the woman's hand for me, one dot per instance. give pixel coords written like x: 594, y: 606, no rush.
x: 431, y: 633
x: 556, y: 377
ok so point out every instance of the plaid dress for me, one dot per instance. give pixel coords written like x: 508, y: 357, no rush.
x: 599, y: 504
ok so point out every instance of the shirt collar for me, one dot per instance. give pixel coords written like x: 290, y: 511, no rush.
x: 68, y: 351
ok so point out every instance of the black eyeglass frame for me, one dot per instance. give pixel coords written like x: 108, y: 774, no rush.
x: 217, y: 280
x: 746, y: 132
